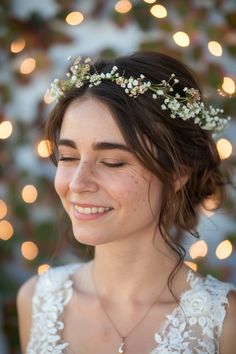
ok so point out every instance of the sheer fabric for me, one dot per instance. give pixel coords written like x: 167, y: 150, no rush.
x: 193, y: 327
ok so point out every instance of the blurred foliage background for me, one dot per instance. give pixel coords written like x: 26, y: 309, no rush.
x: 36, y: 37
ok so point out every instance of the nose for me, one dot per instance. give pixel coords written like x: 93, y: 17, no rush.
x: 83, y: 179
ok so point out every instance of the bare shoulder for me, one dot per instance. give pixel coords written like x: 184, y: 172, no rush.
x: 227, y: 339
x: 24, y: 309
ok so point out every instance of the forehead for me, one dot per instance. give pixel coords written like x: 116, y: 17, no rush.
x: 89, y: 119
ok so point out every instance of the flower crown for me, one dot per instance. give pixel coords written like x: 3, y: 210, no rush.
x: 188, y: 106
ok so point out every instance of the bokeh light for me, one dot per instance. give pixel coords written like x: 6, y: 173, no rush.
x: 228, y: 85
x: 224, y: 148
x: 158, y: 11
x: 44, y: 149
x: 3, y: 209
x: 149, y: 1
x: 74, y: 18
x: 29, y: 193
x: 198, y: 249
x: 123, y: 6
x: 27, y: 66
x: 181, y: 39
x: 6, y: 230
x: 209, y: 205
x: 48, y: 98
x: 224, y: 249
x: 43, y: 268
x: 17, y: 45
x: 191, y: 265
x: 215, y: 48
x: 29, y: 250
x: 5, y: 129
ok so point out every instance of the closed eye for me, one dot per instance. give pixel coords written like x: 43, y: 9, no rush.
x: 64, y: 158
x: 114, y: 165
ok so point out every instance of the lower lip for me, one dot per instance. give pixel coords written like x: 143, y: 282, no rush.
x: 80, y: 216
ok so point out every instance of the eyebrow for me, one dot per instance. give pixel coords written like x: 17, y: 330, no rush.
x: 96, y: 146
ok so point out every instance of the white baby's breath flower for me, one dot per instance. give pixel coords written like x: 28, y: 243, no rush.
x: 186, y: 107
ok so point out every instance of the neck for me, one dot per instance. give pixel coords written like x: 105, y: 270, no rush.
x: 139, y: 271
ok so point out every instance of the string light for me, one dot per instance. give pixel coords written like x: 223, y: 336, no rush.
x: 27, y: 66
x: 224, y: 148
x: 48, y: 98
x: 191, y: 265
x: 198, y: 249
x: 5, y: 129
x: 224, y: 249
x: 215, y: 48
x: 228, y: 85
x: 74, y: 18
x: 149, y: 1
x: 123, y: 6
x: 44, y: 149
x: 17, y: 45
x: 209, y: 205
x: 158, y: 11
x: 29, y: 193
x: 3, y: 209
x: 6, y: 230
x: 181, y: 39
x: 43, y: 268
x: 29, y: 250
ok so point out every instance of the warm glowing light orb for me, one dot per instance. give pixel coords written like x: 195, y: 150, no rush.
x: 158, y: 11
x: 5, y: 129
x: 224, y: 148
x: 181, y: 39
x: 228, y: 85
x: 17, y: 45
x: 29, y: 250
x: 215, y: 48
x: 74, y: 18
x: 224, y: 249
x: 3, y: 209
x: 149, y: 1
x: 29, y: 193
x: 48, y: 98
x: 191, y: 265
x: 198, y: 249
x: 123, y: 6
x: 209, y: 205
x: 27, y: 66
x: 43, y: 268
x: 6, y: 230
x: 44, y: 149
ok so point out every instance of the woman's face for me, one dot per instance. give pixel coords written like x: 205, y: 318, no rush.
x: 105, y: 190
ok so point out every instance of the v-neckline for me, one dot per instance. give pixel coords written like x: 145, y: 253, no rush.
x: 190, y: 279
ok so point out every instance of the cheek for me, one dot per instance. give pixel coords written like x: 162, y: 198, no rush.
x: 61, y: 183
x: 131, y: 191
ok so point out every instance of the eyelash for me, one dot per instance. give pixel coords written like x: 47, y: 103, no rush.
x: 109, y: 165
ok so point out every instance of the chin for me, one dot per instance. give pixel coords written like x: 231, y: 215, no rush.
x: 90, y: 239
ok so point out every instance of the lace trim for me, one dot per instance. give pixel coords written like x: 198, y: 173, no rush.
x: 196, y: 324
x: 53, y: 291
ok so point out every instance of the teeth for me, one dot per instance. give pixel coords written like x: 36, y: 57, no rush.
x: 93, y: 210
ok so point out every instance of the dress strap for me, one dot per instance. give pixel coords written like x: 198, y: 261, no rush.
x: 220, y: 292
x: 53, y: 291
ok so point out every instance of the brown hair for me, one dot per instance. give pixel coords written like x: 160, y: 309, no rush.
x: 169, y: 148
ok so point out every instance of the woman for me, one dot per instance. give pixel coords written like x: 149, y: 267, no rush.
x: 135, y: 158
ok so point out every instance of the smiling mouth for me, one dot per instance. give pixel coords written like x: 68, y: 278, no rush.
x: 92, y: 210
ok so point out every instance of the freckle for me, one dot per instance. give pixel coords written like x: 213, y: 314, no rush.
x: 135, y: 209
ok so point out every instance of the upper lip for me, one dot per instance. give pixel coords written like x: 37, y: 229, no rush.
x: 87, y: 205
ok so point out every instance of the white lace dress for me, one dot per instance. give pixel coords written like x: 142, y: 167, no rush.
x: 194, y: 327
